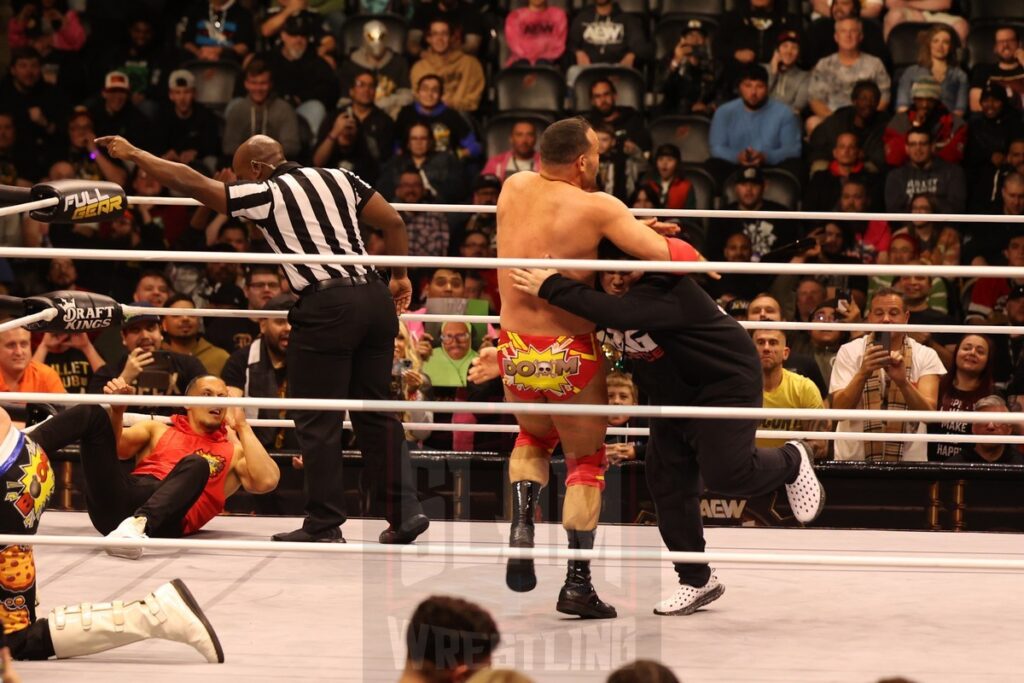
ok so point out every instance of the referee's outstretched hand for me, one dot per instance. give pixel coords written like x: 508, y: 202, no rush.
x: 401, y: 290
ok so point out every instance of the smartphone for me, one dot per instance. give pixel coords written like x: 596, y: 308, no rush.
x: 843, y: 297
x: 788, y: 251
x: 156, y: 377
x: 883, y: 339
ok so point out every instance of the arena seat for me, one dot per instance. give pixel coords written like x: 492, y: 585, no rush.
x: 703, y: 7
x: 533, y: 88
x: 995, y: 9
x: 668, y: 30
x: 687, y: 132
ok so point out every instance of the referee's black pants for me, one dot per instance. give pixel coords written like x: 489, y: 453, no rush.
x: 342, y: 345
x: 681, y: 452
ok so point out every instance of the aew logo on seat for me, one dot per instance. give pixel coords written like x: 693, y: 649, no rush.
x: 92, y: 204
x: 80, y: 319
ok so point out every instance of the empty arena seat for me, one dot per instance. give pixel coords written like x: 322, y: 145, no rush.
x: 687, y: 132
x: 536, y: 88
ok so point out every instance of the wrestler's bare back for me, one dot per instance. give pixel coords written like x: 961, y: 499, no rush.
x: 538, y: 217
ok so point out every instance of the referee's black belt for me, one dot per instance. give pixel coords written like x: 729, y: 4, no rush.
x: 345, y: 281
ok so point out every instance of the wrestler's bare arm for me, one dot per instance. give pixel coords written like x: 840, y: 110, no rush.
x: 634, y: 237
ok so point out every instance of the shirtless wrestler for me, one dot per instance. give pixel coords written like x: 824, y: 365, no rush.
x: 548, y: 354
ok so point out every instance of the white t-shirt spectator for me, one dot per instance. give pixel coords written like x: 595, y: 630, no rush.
x: 924, y: 362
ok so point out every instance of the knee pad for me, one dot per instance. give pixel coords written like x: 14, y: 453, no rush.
x: 546, y: 442
x: 587, y: 470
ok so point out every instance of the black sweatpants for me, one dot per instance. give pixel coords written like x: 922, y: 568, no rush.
x: 342, y: 346
x: 111, y: 493
x: 682, y: 451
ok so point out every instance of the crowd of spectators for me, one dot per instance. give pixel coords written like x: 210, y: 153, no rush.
x: 897, y: 105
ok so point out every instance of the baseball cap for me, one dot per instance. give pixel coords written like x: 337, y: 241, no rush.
x: 788, y: 37
x: 116, y: 80
x: 927, y: 88
x: 229, y: 295
x: 995, y: 91
x: 751, y: 174
x: 668, y: 150
x: 695, y: 25
x: 298, y: 25
x: 134, y: 319
x: 181, y: 78
x: 737, y: 308
x: 1016, y: 293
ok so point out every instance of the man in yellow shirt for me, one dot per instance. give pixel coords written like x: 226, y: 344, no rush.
x: 782, y: 388
x: 18, y: 372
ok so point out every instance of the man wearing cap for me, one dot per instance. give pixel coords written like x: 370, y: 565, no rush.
x: 766, y: 234
x: 753, y: 131
x: 522, y: 154
x: 302, y: 77
x: 833, y: 77
x: 787, y: 82
x: 924, y: 173
x: 114, y: 113
x: 150, y: 371
x: 949, y: 131
x: 1007, y: 72
x: 189, y: 129
x: 692, y: 80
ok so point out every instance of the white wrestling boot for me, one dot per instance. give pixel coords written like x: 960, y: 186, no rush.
x: 170, y: 613
x: 688, y: 599
x: 806, y: 494
x: 131, y: 527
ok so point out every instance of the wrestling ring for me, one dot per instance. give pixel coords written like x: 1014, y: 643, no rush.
x: 810, y: 604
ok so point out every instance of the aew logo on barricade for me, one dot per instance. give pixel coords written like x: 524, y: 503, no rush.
x: 78, y: 319
x: 92, y: 204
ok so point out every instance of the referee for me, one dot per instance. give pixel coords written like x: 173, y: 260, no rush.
x: 343, y: 326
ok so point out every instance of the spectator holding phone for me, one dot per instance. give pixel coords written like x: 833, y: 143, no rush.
x: 885, y: 371
x: 149, y: 370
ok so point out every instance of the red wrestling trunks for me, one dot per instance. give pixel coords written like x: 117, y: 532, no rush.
x: 554, y: 368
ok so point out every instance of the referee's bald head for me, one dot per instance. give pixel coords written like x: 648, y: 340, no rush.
x: 257, y: 157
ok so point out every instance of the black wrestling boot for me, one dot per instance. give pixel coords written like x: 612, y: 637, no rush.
x: 578, y: 595
x: 519, y: 574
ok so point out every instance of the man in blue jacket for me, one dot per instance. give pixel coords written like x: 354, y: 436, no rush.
x: 753, y: 130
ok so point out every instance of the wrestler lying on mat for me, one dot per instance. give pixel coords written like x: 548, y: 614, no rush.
x: 169, y: 612
x: 184, y: 470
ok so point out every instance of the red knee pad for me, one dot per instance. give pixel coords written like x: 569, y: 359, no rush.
x: 587, y: 470
x: 547, y: 442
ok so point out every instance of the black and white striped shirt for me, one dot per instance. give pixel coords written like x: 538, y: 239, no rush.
x: 304, y: 210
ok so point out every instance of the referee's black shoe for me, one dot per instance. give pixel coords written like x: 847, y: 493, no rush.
x: 331, y: 535
x: 407, y: 531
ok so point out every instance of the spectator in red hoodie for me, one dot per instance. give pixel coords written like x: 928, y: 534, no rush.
x: 949, y: 131
x: 674, y: 191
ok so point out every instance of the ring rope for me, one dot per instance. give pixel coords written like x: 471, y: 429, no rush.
x: 132, y: 418
x: 360, y: 405
x: 494, y: 319
x: 45, y: 314
x: 675, y: 213
x: 487, y: 263
x: 272, y: 548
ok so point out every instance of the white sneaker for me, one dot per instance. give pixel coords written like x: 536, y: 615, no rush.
x: 689, y: 599
x: 806, y: 494
x: 131, y: 527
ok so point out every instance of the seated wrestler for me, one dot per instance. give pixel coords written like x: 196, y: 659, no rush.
x: 169, y: 612
x: 184, y: 470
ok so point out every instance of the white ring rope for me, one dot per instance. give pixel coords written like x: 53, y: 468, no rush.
x: 45, y: 314
x: 358, y: 405
x: 488, y: 263
x: 133, y: 418
x: 620, y: 555
x: 677, y: 213
x: 494, y: 319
